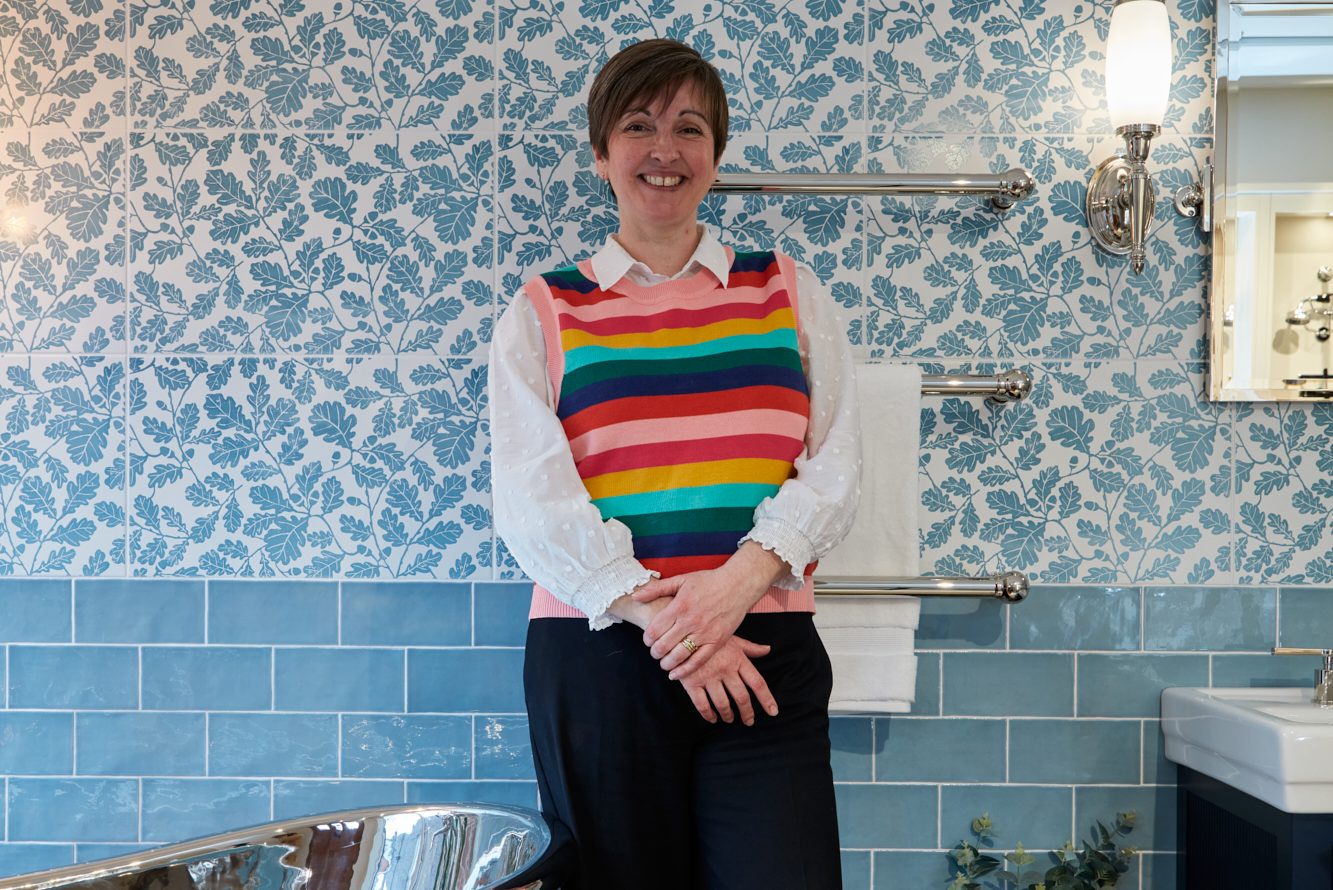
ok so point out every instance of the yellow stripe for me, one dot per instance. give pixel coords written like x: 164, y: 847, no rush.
x: 778, y: 318
x: 749, y: 470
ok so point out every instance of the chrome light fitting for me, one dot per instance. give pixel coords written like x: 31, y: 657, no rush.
x: 1121, y: 196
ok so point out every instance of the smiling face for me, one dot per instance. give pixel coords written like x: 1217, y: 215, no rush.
x: 660, y: 162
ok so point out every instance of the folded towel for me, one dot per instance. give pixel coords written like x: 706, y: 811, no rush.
x: 871, y: 640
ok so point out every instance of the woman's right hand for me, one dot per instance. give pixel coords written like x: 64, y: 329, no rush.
x: 729, y: 676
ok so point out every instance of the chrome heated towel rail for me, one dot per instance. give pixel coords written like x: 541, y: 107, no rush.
x: 1004, y: 189
x: 1007, y: 386
x: 1011, y: 587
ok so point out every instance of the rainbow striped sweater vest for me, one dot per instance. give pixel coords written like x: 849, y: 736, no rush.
x: 685, y: 405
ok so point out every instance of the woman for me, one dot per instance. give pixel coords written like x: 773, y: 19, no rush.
x: 674, y: 442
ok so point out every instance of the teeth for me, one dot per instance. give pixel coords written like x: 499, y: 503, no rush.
x: 666, y: 181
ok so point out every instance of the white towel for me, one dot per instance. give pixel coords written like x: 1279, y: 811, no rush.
x: 871, y: 641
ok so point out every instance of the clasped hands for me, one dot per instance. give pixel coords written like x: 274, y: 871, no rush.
x: 706, y: 608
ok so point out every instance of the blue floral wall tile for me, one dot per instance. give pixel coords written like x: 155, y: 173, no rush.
x: 62, y: 239
x: 549, y: 51
x: 1108, y: 473
x: 307, y: 243
x: 62, y: 465
x: 985, y: 66
x: 63, y: 63
x: 1284, y: 493
x: 794, y: 66
x: 321, y: 467
x: 950, y: 277
x: 314, y: 66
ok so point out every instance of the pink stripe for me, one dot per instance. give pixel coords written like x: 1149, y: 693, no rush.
x: 681, y: 429
x: 545, y: 605
x: 614, y: 308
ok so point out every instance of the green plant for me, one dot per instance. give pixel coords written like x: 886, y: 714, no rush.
x: 1098, y: 866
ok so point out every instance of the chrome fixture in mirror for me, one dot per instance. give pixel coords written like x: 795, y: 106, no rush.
x: 1121, y: 196
x: 1270, y: 327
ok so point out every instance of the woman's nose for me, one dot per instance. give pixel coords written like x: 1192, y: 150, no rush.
x: 664, y: 146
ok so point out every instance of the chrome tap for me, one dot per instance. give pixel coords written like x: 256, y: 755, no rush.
x: 1323, y: 677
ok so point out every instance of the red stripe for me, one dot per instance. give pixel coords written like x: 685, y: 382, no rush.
x: 692, y: 404
x: 675, y: 318
x: 665, y: 454
x: 669, y: 566
x: 574, y: 298
x: 756, y: 278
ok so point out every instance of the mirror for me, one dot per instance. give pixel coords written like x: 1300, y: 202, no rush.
x: 1270, y: 305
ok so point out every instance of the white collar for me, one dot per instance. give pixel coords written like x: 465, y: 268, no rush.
x: 613, y: 262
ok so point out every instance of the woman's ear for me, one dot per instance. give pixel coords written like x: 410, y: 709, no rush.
x: 599, y: 165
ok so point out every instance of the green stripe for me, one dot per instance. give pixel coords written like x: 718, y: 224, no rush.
x: 619, y: 370
x: 745, y: 494
x: 716, y: 519
x: 587, y: 355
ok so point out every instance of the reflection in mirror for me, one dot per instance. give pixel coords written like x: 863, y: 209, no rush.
x: 1272, y: 315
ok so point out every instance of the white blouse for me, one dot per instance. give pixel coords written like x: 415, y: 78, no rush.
x: 545, y: 514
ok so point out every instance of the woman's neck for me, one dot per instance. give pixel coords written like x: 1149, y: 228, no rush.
x: 664, y: 251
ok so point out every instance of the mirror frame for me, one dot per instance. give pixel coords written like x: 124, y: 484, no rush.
x: 1224, y: 210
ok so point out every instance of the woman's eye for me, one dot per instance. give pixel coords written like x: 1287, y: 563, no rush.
x: 635, y: 128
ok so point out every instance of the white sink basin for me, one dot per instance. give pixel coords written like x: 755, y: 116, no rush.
x: 1270, y: 743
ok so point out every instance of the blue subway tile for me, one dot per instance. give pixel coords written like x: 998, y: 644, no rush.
x: 1307, y: 617
x: 119, y: 610
x: 1210, y: 618
x: 911, y: 871
x: 1009, y: 684
x: 95, y: 852
x: 503, y: 747
x: 924, y: 749
x: 273, y: 745
x: 407, y: 747
x: 1255, y: 671
x: 313, y: 798
x: 273, y: 611
x: 1154, y: 805
x: 855, y: 869
x: 488, y: 680
x: 853, y: 748
x: 140, y: 743
x: 406, y: 614
x: 338, y: 680
x: 880, y: 816
x: 1074, y: 751
x: 1131, y: 685
x: 36, y: 743
x: 19, y: 859
x: 1035, y: 817
x: 1159, y: 871
x: 206, y: 678
x: 73, y: 809
x: 927, y: 703
x: 960, y: 623
x: 34, y: 610
x: 1157, y: 770
x: 500, y: 612
x: 73, y: 677
x: 1076, y: 618
x: 177, y: 809
x: 510, y: 794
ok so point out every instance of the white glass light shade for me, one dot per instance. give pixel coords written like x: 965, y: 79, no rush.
x: 1138, y: 63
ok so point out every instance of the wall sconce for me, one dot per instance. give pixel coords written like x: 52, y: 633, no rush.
x: 1121, y: 196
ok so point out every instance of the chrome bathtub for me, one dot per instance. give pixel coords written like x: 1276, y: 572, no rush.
x: 467, y: 847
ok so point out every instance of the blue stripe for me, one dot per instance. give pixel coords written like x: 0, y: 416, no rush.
x: 732, y: 494
x: 683, y: 384
x: 569, y: 279
x: 688, y: 544
x: 757, y: 261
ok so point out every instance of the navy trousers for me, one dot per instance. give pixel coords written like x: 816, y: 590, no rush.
x: 655, y: 796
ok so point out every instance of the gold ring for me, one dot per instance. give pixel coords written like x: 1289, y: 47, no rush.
x: 690, y: 645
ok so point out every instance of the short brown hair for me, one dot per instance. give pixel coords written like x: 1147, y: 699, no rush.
x: 647, y: 73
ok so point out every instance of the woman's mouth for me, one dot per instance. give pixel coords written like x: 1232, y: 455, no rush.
x: 663, y: 181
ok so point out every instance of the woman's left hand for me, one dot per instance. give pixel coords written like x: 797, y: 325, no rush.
x: 708, y: 607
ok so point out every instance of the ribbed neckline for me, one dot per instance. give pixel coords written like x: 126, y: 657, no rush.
x: 691, y: 288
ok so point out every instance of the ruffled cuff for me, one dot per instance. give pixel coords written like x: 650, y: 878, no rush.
x: 606, y: 585
x: 789, y: 543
